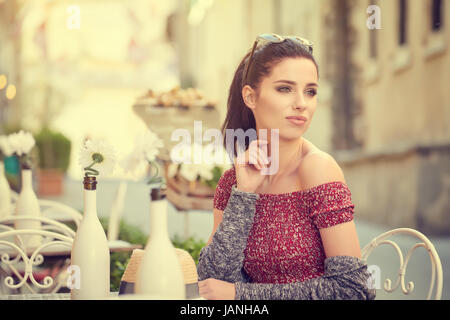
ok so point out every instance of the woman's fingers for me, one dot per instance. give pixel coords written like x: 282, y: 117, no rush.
x: 259, y: 162
x: 263, y: 158
x: 263, y: 161
x: 255, y: 161
x: 253, y: 155
x: 261, y: 150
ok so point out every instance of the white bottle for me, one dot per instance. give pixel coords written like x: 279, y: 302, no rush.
x: 160, y: 273
x: 5, y: 194
x: 28, y: 205
x: 90, y: 252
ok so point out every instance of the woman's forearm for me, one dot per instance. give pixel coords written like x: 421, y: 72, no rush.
x: 223, y: 258
x: 345, y: 278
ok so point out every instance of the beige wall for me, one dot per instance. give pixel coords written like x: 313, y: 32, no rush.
x: 401, y: 177
x: 372, y: 186
x: 405, y: 91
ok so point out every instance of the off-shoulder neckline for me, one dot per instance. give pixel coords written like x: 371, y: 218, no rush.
x: 305, y: 190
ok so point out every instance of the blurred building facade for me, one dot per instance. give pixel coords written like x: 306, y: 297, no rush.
x: 395, y: 144
x: 77, y: 64
x: 384, y: 103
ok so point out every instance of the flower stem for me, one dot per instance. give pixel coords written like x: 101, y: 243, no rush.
x: 25, y: 161
x: 154, y: 179
x: 90, y: 171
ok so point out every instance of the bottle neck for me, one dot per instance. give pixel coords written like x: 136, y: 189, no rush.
x: 158, y: 219
x: 27, y: 179
x: 90, y: 203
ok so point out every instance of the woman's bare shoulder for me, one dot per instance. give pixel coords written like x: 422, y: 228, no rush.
x: 318, y: 167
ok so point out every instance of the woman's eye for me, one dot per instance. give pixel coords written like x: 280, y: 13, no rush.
x: 284, y: 89
x: 312, y: 92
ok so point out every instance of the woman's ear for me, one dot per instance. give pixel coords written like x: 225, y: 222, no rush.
x: 248, y: 95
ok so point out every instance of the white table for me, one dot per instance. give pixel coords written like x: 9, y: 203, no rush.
x: 66, y: 296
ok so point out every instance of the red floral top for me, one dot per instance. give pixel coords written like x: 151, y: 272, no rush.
x: 284, y: 244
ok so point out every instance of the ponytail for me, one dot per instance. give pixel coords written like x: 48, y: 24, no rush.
x: 239, y: 116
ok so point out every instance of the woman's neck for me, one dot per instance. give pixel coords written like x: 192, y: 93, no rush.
x: 289, y: 154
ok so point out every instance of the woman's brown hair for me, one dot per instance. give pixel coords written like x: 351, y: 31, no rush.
x: 239, y: 116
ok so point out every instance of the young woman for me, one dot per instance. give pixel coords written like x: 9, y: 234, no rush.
x: 290, y: 234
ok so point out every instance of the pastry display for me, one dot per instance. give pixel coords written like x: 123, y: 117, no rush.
x: 177, y: 97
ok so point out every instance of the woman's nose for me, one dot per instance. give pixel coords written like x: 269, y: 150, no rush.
x: 300, y: 102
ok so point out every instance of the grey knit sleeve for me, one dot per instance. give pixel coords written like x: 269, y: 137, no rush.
x: 223, y: 258
x: 345, y: 278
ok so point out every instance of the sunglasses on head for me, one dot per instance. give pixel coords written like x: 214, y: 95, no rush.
x: 274, y: 38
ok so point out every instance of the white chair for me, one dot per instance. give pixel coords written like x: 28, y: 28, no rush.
x: 436, y: 266
x: 62, y: 212
x: 16, y: 256
x: 54, y: 210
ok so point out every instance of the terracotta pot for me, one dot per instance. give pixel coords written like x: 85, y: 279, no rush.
x: 50, y: 182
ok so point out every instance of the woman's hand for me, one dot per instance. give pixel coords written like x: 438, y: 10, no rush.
x: 213, y: 289
x: 248, y: 166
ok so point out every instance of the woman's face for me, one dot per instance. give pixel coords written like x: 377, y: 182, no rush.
x: 289, y: 90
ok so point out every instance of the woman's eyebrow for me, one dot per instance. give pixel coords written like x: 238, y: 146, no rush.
x: 295, y: 83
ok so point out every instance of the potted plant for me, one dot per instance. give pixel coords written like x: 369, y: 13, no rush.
x: 54, y: 156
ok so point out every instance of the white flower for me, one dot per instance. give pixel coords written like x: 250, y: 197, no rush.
x: 196, y: 161
x: 190, y: 171
x: 187, y: 153
x: 99, y: 151
x: 134, y: 164
x: 218, y: 156
x: 187, y: 172
x: 148, y: 144
x: 145, y: 150
x: 181, y: 153
x: 205, y: 171
x: 5, y: 146
x: 172, y: 170
x: 21, y: 142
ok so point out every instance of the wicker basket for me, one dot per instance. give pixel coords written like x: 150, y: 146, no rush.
x: 186, y: 261
x: 188, y: 267
x: 189, y: 195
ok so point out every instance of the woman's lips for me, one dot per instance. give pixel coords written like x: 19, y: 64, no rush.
x: 297, y: 120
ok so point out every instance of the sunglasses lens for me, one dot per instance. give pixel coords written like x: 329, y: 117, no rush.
x: 270, y: 37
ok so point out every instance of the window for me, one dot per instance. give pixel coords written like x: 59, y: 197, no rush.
x: 436, y: 15
x: 402, y: 22
x: 437, y: 39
